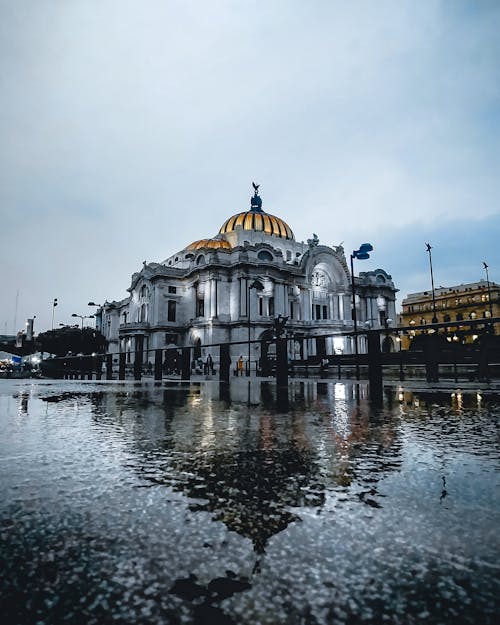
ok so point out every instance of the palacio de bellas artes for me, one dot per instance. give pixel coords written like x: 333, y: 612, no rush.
x: 231, y: 287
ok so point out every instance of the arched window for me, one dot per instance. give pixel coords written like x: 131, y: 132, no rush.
x: 265, y: 255
x: 200, y: 260
x: 197, y: 349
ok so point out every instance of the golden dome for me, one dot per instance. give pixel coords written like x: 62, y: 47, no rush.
x: 260, y: 221
x: 213, y: 244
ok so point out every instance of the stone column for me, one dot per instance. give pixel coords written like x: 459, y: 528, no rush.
x: 207, y: 296
x: 213, y: 298
x: 243, y: 295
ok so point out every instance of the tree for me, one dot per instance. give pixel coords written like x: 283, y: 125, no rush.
x: 71, y: 339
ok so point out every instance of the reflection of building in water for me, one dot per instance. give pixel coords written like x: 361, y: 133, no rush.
x: 231, y: 287
x: 252, y: 467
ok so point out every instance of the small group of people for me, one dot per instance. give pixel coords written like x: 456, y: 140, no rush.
x: 206, y: 366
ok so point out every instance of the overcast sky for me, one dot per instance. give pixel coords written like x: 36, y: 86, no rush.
x: 129, y: 129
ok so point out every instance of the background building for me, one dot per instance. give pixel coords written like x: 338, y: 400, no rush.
x: 455, y: 303
x: 232, y: 287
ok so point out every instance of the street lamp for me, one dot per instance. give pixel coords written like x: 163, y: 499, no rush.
x: 434, y: 316
x: 82, y: 317
x: 98, y: 314
x: 54, y: 304
x: 489, y: 293
x: 361, y: 254
x: 256, y: 284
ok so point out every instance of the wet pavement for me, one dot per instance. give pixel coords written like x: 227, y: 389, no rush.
x: 192, y: 503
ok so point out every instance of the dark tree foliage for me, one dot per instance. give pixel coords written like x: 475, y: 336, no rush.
x: 71, y: 340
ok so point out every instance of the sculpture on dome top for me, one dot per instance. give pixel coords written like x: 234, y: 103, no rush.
x: 255, y: 200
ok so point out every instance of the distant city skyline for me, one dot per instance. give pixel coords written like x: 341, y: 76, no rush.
x: 130, y: 130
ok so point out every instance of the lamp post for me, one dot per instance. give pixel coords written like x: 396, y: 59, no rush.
x: 434, y: 316
x: 399, y: 340
x: 256, y: 284
x: 361, y: 254
x: 82, y: 317
x: 54, y: 304
x: 98, y: 313
x: 489, y: 292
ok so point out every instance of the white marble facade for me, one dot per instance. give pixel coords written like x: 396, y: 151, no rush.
x: 231, y: 288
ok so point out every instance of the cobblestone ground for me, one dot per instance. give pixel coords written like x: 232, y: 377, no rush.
x: 198, y: 504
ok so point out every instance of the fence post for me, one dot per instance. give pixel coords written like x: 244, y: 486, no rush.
x: 431, y: 357
x: 186, y: 363
x: 281, y: 362
x: 121, y: 366
x: 374, y: 367
x: 158, y: 364
x: 224, y: 363
x: 109, y: 366
x: 98, y: 367
x: 138, y: 364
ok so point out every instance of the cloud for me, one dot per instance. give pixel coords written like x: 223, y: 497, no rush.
x: 130, y: 129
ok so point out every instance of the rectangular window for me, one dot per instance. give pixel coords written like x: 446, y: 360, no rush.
x: 171, y: 310
x: 325, y: 312
x: 271, y: 306
x: 260, y: 306
x: 291, y: 311
x: 318, y: 311
x: 200, y: 307
x: 172, y: 289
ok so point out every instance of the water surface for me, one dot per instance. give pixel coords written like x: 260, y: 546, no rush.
x: 170, y: 503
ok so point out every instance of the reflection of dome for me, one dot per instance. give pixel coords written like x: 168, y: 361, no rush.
x: 213, y: 244
x: 260, y: 221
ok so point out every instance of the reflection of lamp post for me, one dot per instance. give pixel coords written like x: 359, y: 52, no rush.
x: 256, y: 284
x: 489, y: 292
x: 361, y: 254
x: 434, y: 316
